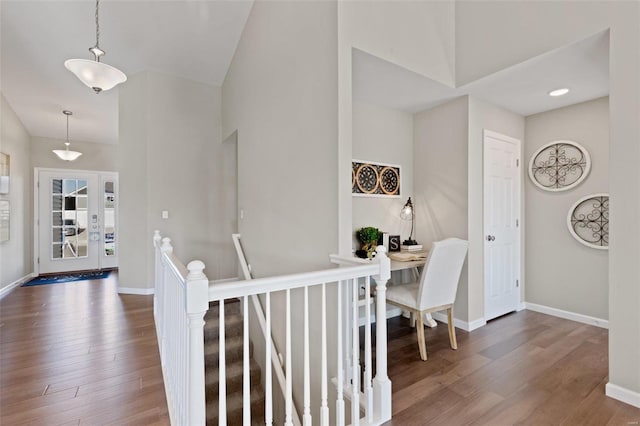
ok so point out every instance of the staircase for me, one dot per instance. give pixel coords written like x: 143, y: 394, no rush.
x: 234, y: 367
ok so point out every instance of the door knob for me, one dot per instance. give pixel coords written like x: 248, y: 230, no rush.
x: 491, y: 238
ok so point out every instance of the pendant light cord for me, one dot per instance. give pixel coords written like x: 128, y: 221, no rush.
x: 97, y: 25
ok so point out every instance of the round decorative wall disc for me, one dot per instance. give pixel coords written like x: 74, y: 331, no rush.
x: 588, y: 221
x: 559, y: 166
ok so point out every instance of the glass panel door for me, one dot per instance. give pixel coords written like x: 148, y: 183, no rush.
x: 109, y: 187
x: 68, y: 221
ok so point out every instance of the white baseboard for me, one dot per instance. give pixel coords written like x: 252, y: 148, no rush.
x: 585, y: 319
x: 521, y: 306
x: 10, y: 287
x: 135, y: 290
x: 622, y: 394
x: 463, y: 325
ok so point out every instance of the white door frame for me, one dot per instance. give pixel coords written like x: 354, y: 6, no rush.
x: 518, y: 216
x: 36, y: 208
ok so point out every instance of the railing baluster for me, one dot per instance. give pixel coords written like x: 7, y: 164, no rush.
x: 306, y: 417
x: 288, y: 402
x: 355, y: 349
x: 368, y: 391
x: 268, y: 400
x: 222, y: 381
x: 246, y: 374
x: 340, y: 391
x: 324, y: 409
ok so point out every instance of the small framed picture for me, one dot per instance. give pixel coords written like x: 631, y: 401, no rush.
x: 394, y: 242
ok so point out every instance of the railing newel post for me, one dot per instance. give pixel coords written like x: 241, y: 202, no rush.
x: 381, y: 383
x: 197, y: 304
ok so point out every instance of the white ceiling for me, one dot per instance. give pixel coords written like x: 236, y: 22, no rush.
x: 197, y: 39
x: 191, y: 39
x: 583, y: 67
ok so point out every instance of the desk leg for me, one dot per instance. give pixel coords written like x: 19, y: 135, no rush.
x: 429, y: 321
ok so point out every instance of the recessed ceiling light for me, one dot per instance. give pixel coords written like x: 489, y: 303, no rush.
x: 559, y: 92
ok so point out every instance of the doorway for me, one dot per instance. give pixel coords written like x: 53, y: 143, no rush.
x: 502, y: 232
x: 75, y: 220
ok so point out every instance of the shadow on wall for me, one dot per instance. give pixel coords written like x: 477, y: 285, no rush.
x: 441, y: 211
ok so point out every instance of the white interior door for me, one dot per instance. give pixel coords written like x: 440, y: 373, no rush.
x: 501, y: 224
x: 76, y: 220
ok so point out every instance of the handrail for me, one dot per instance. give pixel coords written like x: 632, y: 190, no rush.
x: 288, y: 282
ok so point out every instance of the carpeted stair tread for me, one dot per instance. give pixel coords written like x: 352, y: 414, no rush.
x: 230, y: 307
x: 234, y: 349
x: 234, y: 408
x: 234, y: 353
x: 233, y: 326
x: 235, y: 374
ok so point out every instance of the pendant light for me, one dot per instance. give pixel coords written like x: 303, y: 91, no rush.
x: 65, y: 154
x: 93, y: 73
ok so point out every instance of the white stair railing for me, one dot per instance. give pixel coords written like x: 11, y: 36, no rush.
x: 260, y: 316
x: 182, y: 296
x: 180, y: 303
x: 376, y: 391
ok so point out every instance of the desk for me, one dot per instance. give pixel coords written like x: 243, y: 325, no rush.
x: 398, y: 265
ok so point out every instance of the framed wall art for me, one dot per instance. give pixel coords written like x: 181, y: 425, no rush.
x: 588, y: 221
x: 369, y: 179
x: 4, y: 173
x: 559, y: 166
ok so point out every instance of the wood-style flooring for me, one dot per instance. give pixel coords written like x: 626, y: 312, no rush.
x: 525, y: 368
x: 80, y: 354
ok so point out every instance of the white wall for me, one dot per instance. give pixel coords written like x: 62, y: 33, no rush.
x: 491, y: 35
x: 280, y: 94
x: 483, y: 115
x: 95, y: 156
x: 170, y: 159
x: 15, y: 254
x: 383, y: 135
x: 561, y: 272
x: 440, y: 180
x: 416, y: 35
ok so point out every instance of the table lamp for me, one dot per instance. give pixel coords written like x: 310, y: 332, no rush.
x: 408, y: 214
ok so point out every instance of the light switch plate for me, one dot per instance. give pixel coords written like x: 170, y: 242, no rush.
x: 165, y: 214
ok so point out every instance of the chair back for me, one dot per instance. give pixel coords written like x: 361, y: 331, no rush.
x: 441, y: 273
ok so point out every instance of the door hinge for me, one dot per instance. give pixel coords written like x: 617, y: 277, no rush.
x: 517, y: 223
x: 517, y: 283
x: 517, y: 162
x: 38, y: 261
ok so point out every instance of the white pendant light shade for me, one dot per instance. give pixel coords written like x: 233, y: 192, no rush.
x: 96, y: 75
x: 66, y: 155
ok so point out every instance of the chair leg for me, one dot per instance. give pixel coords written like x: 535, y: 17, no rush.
x: 412, y: 319
x: 420, y: 332
x: 452, y: 329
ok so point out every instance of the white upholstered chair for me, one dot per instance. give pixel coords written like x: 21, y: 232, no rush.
x: 436, y: 288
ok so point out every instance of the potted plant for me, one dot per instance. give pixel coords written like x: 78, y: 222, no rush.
x: 368, y: 237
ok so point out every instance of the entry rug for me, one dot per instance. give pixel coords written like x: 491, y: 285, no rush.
x: 67, y: 277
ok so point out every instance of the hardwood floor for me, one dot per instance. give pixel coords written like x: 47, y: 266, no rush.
x: 78, y: 353
x: 524, y: 368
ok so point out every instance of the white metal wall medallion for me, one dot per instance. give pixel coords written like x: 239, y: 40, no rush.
x: 588, y: 221
x: 559, y: 166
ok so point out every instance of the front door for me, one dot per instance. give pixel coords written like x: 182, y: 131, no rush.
x: 501, y: 224
x: 75, y: 223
